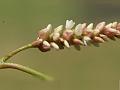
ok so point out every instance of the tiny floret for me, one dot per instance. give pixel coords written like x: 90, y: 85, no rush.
x: 66, y: 43
x: 69, y: 24
x: 58, y: 29
x: 78, y: 30
x: 49, y: 27
x: 54, y: 45
x: 114, y: 24
x: 46, y: 43
x: 90, y: 26
x: 100, y: 26
x: 86, y: 40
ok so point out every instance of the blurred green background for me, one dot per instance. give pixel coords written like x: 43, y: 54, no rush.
x: 92, y: 68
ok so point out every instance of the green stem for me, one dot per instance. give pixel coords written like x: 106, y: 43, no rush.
x: 9, y: 55
x: 25, y: 69
x: 4, y: 65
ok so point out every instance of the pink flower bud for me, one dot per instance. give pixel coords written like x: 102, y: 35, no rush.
x: 44, y: 48
x: 37, y: 42
x: 43, y: 35
x: 98, y: 39
x: 68, y: 35
x: 104, y: 37
x: 100, y: 26
x: 110, y: 32
x: 77, y: 42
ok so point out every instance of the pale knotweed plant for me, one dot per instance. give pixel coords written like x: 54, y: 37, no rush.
x: 60, y: 37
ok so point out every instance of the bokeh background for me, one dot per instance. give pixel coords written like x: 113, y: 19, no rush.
x: 91, y: 68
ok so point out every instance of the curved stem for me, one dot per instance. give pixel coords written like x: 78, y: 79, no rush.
x: 9, y: 55
x: 4, y: 65
x: 25, y: 69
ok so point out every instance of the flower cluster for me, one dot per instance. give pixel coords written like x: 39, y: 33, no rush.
x: 82, y: 34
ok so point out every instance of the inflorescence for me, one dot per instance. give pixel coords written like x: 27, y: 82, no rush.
x: 61, y: 37
x: 82, y: 34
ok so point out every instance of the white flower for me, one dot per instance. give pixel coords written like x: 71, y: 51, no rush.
x: 66, y: 43
x: 69, y: 24
x: 79, y: 29
x: 90, y: 26
x: 114, y: 24
x: 86, y: 40
x: 58, y: 29
x: 46, y: 43
x: 56, y: 34
x: 54, y: 45
x: 48, y: 29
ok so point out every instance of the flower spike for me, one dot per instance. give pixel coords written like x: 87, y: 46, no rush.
x: 82, y: 34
